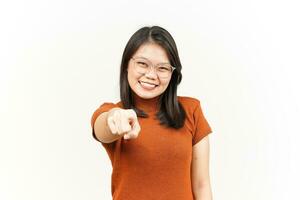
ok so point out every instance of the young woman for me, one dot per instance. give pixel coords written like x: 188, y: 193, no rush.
x: 157, y: 141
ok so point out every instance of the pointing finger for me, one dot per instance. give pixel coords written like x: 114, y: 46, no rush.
x: 135, y: 129
x: 111, y: 125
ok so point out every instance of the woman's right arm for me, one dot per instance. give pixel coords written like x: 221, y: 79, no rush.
x: 102, y: 130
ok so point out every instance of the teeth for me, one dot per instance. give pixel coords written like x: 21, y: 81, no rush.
x: 147, y: 85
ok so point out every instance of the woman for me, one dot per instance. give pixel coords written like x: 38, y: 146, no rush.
x: 157, y: 141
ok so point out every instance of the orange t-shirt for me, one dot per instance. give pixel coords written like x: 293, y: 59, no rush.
x: 157, y: 164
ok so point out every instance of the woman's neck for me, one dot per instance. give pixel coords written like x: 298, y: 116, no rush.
x: 147, y: 105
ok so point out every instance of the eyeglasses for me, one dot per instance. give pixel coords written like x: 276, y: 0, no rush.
x: 143, y: 65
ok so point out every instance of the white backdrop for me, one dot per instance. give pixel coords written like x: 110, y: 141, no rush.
x: 60, y: 60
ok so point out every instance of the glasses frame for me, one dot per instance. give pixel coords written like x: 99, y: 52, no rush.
x: 154, y: 67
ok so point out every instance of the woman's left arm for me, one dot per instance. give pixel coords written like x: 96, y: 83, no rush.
x: 200, y: 171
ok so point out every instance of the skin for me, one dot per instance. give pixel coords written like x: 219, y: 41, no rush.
x: 200, y: 170
x: 155, y: 54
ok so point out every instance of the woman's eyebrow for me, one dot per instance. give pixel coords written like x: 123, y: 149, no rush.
x: 167, y: 62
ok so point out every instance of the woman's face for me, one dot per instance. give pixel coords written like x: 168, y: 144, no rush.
x: 138, y: 82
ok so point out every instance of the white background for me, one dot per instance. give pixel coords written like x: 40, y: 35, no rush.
x: 60, y: 60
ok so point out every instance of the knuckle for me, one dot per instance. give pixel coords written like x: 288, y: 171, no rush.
x: 131, y: 112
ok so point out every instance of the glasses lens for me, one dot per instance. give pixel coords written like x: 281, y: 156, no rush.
x: 164, y: 70
x: 143, y: 66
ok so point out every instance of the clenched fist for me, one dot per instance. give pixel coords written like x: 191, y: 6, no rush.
x: 123, y: 122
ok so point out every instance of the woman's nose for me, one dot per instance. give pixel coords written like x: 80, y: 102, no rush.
x: 151, y: 73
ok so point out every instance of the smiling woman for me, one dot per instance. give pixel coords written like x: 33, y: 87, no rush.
x: 156, y: 140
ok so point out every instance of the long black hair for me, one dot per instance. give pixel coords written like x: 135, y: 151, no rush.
x: 171, y: 112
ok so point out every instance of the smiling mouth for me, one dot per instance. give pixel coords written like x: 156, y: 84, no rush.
x: 147, y: 85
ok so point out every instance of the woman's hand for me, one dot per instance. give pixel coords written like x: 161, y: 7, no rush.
x: 123, y: 122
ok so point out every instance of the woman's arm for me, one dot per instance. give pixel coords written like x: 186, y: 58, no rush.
x: 200, y: 171
x: 102, y: 131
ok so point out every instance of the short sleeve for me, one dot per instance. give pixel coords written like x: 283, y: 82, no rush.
x: 201, y: 126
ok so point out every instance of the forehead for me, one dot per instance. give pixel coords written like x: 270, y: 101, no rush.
x: 152, y: 52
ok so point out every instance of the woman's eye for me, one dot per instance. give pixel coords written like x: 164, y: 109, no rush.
x: 163, y: 69
x: 142, y: 64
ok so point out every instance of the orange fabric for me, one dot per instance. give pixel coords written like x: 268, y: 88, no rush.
x: 156, y: 165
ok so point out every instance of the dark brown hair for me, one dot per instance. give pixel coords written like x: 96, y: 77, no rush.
x: 171, y: 112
